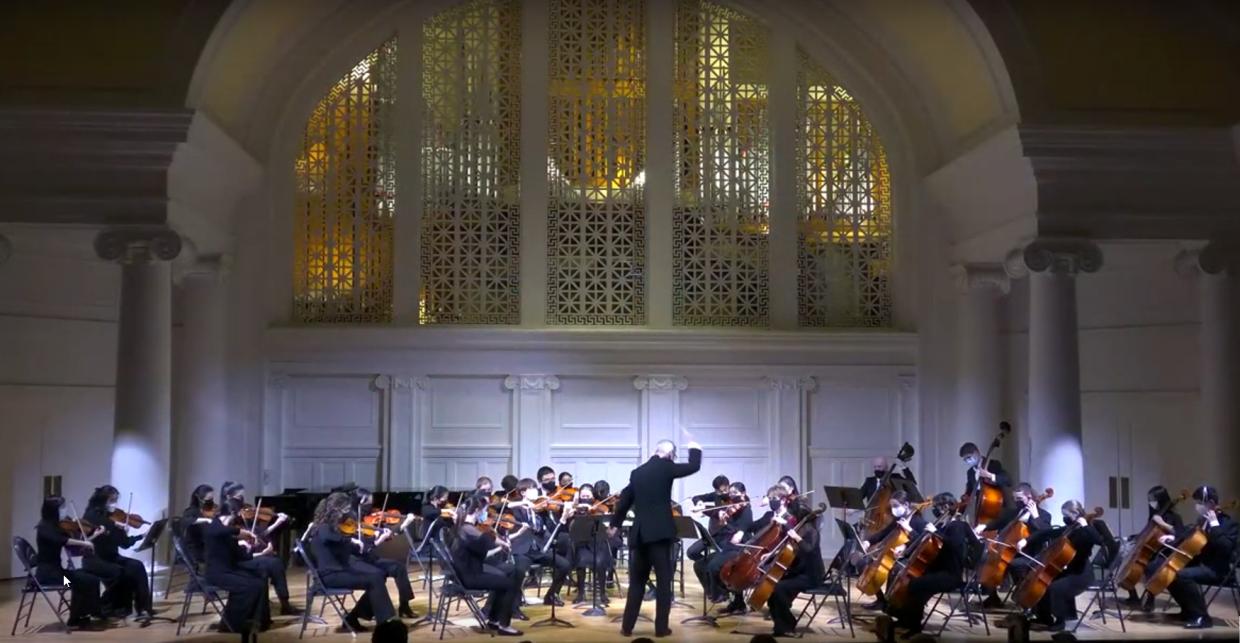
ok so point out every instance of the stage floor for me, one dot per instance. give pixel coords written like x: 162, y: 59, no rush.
x: 43, y: 626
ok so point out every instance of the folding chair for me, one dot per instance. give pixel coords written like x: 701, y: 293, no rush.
x: 960, y: 606
x: 32, y: 588
x: 173, y: 559
x: 195, y: 586
x: 1106, y: 564
x: 454, y: 590
x: 1231, y: 582
x: 336, y: 597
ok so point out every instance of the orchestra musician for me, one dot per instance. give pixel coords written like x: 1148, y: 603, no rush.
x: 942, y: 575
x: 790, y: 485
x: 776, y: 505
x: 653, y: 533
x: 333, y: 550
x: 50, y: 542
x: 473, y: 546
x: 880, y: 469
x: 994, y: 471
x: 589, y: 554
x: 484, y: 486
x: 806, y: 571
x: 566, y: 479
x: 905, y: 518
x: 528, y: 540
x: 1058, y: 604
x: 263, y: 562
x: 546, y: 479
x: 193, y: 521
x: 246, y: 611
x: 1162, y: 511
x: 728, y: 523
x: 1024, y: 507
x: 1211, y: 566
x: 128, y: 590
x: 718, y: 495
x: 394, y: 569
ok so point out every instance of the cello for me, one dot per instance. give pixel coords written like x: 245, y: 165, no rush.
x: 987, y: 497
x: 1145, y: 547
x: 878, y: 508
x: 1050, y: 564
x: 1001, y: 550
x: 924, y: 551
x: 745, y: 570
x: 1179, y: 556
x: 779, y: 560
x: 876, y: 572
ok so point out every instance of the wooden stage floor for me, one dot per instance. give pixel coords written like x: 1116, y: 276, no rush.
x: 43, y: 626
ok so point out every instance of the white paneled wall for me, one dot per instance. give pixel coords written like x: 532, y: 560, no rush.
x: 466, y: 431
x: 330, y: 431
x: 596, y: 431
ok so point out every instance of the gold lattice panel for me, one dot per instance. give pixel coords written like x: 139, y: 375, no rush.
x: 346, y: 193
x: 471, y: 218
x: 722, y: 209
x: 596, y: 250
x: 844, y: 190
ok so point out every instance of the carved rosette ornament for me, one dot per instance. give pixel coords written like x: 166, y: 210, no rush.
x: 532, y: 382
x: 1056, y: 257
x: 660, y: 383
x: 138, y: 245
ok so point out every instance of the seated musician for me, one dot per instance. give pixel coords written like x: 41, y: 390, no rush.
x: 235, y: 491
x: 264, y: 562
x: 193, y: 521
x: 594, y: 554
x: 790, y: 485
x: 943, y: 574
x: 1025, y: 508
x: 528, y: 541
x: 484, y: 486
x: 546, y: 479
x: 1211, y: 566
x: 473, y: 546
x: 1162, y: 511
x: 507, y: 485
x: 717, y: 496
x: 806, y: 571
x: 394, y: 569
x: 880, y: 470
x: 906, y: 519
x: 128, y: 590
x: 1058, y: 604
x: 776, y: 510
x: 433, y: 507
x: 727, y: 523
x: 50, y: 543
x: 333, y: 551
x: 246, y: 611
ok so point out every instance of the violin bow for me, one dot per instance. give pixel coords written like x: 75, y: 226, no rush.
x: 258, y: 507
x: 73, y: 510
x: 128, y: 509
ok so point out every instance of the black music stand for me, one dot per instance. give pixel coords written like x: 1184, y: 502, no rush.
x: 585, y: 530
x: 149, y: 542
x: 851, y: 541
x: 686, y: 527
x: 909, y: 487
x: 705, y: 617
x: 432, y: 617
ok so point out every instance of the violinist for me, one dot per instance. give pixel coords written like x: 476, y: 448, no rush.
x: 589, y: 554
x: 1211, y: 566
x: 1024, y: 508
x: 484, y: 486
x: 507, y: 484
x: 942, y: 575
x: 993, y: 472
x: 246, y: 611
x: 905, y: 518
x: 733, y: 525
x: 263, y: 561
x: 128, y: 590
x: 529, y: 538
x: 436, y: 511
x: 474, y: 545
x: 566, y: 480
x: 333, y: 550
x: 880, y: 470
x: 718, y: 496
x: 394, y: 569
x: 806, y: 572
x: 235, y: 491
x: 51, y: 539
x: 1058, y: 604
x: 546, y: 479
x: 193, y: 520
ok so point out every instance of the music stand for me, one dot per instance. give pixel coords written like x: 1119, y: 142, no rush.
x: 584, y: 531
x: 149, y: 541
x: 686, y: 527
x: 909, y: 487
x: 705, y: 617
x: 851, y: 540
x: 432, y: 617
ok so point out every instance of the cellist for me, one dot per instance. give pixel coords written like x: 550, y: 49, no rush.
x: 1162, y: 511
x: 906, y: 519
x: 776, y: 511
x: 1058, y: 604
x: 1210, y: 566
x: 806, y: 572
x: 729, y: 524
x: 1024, y: 508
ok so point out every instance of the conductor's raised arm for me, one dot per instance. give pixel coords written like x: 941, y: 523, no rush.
x: 682, y: 469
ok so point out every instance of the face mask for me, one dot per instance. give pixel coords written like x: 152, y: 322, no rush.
x: 972, y: 461
x: 1202, y: 509
x: 1154, y: 504
x: 899, y: 512
x: 1068, y: 519
x: 112, y: 506
x: 549, y: 486
x: 530, y: 494
x: 775, y: 502
x: 878, y: 473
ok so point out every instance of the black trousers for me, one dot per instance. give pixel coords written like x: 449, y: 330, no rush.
x: 127, y: 586
x: 375, y: 602
x: 1059, y: 602
x: 780, y: 602
x: 1186, y: 589
x: 559, y: 565
x: 697, y: 551
x: 504, y: 589
x: 247, y: 608
x: 83, y: 590
x: 270, y: 568
x: 643, y: 557
x: 395, y: 570
x: 920, y: 591
x: 714, y: 567
x: 595, y: 558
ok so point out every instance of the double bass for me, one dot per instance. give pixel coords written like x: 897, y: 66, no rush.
x: 779, y: 560
x: 1050, y: 564
x: 1002, y: 549
x: 1145, y: 547
x: 878, y: 507
x: 987, y: 497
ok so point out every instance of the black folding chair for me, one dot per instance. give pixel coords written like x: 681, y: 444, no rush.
x: 960, y: 607
x: 1106, y: 564
x: 454, y: 590
x: 816, y: 598
x: 336, y: 597
x: 32, y: 589
x: 195, y: 586
x: 1231, y: 582
x: 174, y: 561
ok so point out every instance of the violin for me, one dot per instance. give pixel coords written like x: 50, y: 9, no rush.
x: 75, y: 528
x: 350, y: 527
x: 1145, y: 547
x: 564, y: 494
x: 1000, y: 551
x: 382, y: 518
x: 262, y: 515
x: 1051, y: 563
x: 126, y: 518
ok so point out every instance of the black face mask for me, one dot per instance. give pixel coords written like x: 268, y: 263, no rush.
x: 775, y: 504
x: 878, y: 473
x: 548, y: 486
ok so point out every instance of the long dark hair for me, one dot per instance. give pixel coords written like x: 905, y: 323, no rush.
x: 1160, y: 495
x: 333, y: 510
x: 199, y: 495
x: 50, y: 512
x: 99, y: 499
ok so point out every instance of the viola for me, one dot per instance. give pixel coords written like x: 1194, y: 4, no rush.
x: 878, y: 507
x: 779, y: 561
x: 1051, y: 563
x: 1001, y: 550
x: 1145, y: 547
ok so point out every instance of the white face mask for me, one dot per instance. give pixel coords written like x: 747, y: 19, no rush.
x: 899, y: 512
x: 1202, y: 509
x: 531, y: 494
x: 1153, y: 504
x: 972, y: 461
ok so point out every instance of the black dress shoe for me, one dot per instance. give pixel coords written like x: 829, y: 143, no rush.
x: 1199, y: 623
x: 992, y: 602
x: 733, y: 608
x: 658, y: 634
x: 553, y: 599
x: 406, y: 612
x: 519, y: 615
x: 352, y: 622
x: 876, y: 606
x: 288, y: 609
x: 626, y: 633
x: 1147, y: 605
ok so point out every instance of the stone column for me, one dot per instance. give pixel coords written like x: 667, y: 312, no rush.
x: 1217, y: 268
x: 979, y: 357
x: 201, y: 388
x: 1057, y: 456
x: 143, y: 415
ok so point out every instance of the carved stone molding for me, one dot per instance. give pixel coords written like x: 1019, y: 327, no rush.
x: 212, y: 268
x: 793, y: 383
x: 138, y: 245
x: 1215, y: 258
x: 381, y: 382
x: 1055, y: 256
x: 532, y: 382
x: 981, y: 276
x: 6, y: 249
x: 660, y: 383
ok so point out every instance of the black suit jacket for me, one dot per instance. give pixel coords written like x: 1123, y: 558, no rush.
x: 649, y: 495
x: 994, y: 466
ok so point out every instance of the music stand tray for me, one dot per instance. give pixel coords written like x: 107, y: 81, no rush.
x: 149, y: 542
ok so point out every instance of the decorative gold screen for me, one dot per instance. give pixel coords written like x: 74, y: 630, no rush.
x: 346, y: 193
x: 722, y: 209
x: 596, y: 250
x: 844, y: 232
x: 471, y: 157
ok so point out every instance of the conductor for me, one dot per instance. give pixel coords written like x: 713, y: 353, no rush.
x: 653, y: 533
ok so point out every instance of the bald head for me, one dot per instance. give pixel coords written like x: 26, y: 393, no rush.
x: 665, y: 449
x: 880, y: 463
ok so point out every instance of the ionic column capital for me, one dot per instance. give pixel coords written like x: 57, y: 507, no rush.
x: 138, y: 245
x: 1059, y: 256
x: 532, y: 382
x: 660, y: 383
x: 1215, y: 258
x: 981, y: 276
